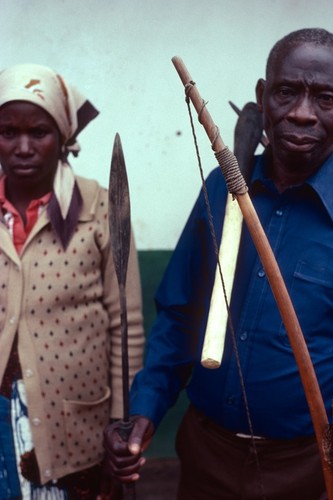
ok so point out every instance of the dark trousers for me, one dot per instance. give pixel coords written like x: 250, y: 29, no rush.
x: 218, y: 465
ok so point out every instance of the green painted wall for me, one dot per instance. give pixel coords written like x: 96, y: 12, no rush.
x: 152, y: 265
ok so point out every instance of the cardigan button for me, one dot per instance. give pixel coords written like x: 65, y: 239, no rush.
x: 243, y: 336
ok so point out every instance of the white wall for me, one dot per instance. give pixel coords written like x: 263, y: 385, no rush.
x: 118, y: 52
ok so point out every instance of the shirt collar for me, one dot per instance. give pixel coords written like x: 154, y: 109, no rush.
x: 320, y: 181
x: 4, y: 201
x: 2, y: 189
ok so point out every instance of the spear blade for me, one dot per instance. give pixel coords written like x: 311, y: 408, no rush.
x: 119, y: 212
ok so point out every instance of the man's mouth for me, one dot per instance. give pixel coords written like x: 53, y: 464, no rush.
x: 298, y: 143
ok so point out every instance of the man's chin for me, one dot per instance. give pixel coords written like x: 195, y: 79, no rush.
x: 302, y: 161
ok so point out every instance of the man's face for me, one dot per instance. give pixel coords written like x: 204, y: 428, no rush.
x: 297, y: 105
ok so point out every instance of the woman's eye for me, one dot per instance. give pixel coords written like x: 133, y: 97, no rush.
x: 7, y: 132
x: 39, y: 133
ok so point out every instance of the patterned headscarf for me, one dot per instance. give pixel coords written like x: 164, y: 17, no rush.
x: 71, y: 111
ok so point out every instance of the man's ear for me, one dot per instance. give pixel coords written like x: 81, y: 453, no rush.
x: 260, y: 87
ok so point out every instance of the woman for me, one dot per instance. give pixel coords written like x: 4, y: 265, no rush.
x: 60, y: 370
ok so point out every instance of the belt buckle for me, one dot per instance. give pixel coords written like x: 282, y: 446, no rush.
x: 248, y: 436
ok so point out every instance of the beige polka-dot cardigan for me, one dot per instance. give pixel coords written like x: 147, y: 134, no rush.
x: 65, y: 307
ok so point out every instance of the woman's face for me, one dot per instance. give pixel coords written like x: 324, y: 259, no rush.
x: 29, y: 146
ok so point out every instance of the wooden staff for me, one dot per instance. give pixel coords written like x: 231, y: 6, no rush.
x: 214, y: 341
x: 236, y: 185
x: 248, y: 134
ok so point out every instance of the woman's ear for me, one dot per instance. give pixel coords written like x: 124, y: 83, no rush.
x: 260, y: 87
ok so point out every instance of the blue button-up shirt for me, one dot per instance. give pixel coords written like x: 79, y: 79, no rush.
x: 298, y: 224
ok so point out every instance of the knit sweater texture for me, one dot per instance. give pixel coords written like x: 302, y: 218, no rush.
x: 64, y: 305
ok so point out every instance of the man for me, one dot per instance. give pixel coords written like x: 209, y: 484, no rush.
x: 251, y: 439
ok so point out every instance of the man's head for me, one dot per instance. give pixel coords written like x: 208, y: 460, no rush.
x: 297, y: 103
x: 315, y: 36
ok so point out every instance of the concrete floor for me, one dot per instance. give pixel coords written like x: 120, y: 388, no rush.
x: 159, y: 479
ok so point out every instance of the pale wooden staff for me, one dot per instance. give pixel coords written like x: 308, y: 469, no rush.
x: 248, y: 134
x: 236, y: 185
x: 215, y: 334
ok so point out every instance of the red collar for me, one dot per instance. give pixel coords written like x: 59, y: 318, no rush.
x: 15, y: 224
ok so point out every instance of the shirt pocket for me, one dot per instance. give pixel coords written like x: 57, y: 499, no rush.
x: 85, y: 423
x: 311, y: 293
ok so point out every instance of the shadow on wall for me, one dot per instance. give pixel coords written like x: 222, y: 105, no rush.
x: 152, y: 265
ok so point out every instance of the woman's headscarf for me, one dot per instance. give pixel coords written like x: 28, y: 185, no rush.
x: 71, y: 111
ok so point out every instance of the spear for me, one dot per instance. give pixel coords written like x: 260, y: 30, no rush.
x: 263, y: 139
x: 237, y: 187
x: 119, y: 213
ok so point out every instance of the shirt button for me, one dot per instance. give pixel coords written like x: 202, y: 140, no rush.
x: 279, y: 213
x: 12, y: 320
x: 36, y: 421
x: 261, y: 273
x: 28, y: 373
x: 47, y: 473
x: 243, y: 336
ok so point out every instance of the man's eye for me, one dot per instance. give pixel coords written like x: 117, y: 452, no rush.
x: 326, y: 99
x: 285, y: 92
x: 284, y: 95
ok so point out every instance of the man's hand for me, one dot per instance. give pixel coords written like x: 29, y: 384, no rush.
x: 110, y: 488
x: 124, y: 459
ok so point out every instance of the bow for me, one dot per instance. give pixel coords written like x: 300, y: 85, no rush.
x: 237, y: 187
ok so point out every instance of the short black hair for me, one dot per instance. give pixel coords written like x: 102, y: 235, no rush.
x: 316, y: 36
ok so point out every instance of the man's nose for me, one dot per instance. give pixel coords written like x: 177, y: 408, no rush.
x: 303, y: 110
